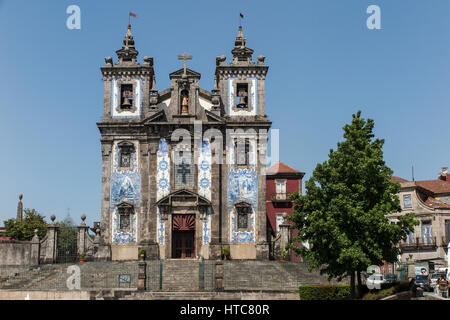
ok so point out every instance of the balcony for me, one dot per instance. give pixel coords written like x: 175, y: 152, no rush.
x: 280, y: 197
x: 419, y: 244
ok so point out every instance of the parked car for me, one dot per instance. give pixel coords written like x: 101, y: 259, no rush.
x: 375, y: 281
x: 390, y: 278
x: 423, y: 281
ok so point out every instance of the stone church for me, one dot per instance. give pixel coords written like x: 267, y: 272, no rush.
x: 183, y: 169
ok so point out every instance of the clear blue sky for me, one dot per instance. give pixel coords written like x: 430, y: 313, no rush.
x: 324, y: 65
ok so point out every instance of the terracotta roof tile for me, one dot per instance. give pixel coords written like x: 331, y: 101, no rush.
x: 433, y: 203
x: 281, y: 167
x: 398, y: 179
x: 435, y: 186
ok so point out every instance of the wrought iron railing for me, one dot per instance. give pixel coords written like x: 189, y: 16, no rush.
x: 419, y: 243
x: 280, y: 197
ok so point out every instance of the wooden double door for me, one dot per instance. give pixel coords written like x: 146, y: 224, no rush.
x: 183, y: 236
x: 183, y: 244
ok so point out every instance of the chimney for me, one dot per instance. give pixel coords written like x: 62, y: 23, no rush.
x: 444, y: 175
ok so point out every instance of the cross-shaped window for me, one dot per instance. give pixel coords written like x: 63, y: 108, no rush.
x: 184, y: 173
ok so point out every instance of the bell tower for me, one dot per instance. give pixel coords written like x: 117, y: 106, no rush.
x: 128, y: 86
x: 242, y: 81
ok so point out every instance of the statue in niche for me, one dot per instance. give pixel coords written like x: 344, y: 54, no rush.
x: 184, y: 102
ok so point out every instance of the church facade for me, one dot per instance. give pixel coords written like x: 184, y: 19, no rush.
x: 183, y: 169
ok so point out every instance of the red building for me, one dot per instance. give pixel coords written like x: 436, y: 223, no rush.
x: 281, y: 180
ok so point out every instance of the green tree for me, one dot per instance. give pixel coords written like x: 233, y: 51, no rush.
x: 343, y: 214
x: 24, y: 230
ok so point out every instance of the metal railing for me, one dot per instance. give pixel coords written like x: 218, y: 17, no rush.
x: 429, y: 243
x: 280, y: 197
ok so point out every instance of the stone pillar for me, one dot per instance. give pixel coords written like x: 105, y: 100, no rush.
x: 142, y: 275
x: 35, y: 247
x: 52, y: 238
x: 218, y: 276
x: 20, y: 209
x: 82, y: 234
x: 102, y: 249
x: 285, y: 238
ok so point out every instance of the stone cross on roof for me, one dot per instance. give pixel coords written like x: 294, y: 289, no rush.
x: 184, y: 57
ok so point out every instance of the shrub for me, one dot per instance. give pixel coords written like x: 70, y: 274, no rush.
x: 324, y: 292
x: 142, y: 251
x: 225, y: 251
x: 387, y: 292
x: 372, y: 296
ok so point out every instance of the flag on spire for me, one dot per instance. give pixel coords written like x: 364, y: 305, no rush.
x: 241, y: 15
x: 132, y: 14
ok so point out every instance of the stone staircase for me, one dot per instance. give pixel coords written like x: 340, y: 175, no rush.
x: 180, y: 275
x: 93, y: 276
x: 180, y: 278
x: 269, y: 275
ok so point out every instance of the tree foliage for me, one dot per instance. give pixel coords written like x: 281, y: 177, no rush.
x: 24, y: 230
x: 343, y: 214
x: 67, y: 235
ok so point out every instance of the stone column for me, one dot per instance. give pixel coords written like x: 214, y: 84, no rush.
x: 142, y: 275
x: 82, y: 234
x: 20, y: 209
x: 285, y: 231
x: 218, y: 276
x: 106, y: 188
x: 35, y: 247
x: 52, y: 238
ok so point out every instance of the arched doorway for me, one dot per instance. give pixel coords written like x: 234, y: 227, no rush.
x: 183, y: 235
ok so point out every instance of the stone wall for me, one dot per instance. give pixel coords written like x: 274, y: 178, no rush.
x: 15, y: 252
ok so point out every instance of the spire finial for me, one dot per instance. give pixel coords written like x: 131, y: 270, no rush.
x: 241, y: 54
x: 128, y: 53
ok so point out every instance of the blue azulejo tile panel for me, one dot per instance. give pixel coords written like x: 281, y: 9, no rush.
x: 125, y: 187
x: 252, y: 97
x: 242, y: 186
x: 123, y: 237
x: 162, y: 183
x: 207, y: 227
x: 242, y: 236
x: 204, y: 171
x: 204, y: 185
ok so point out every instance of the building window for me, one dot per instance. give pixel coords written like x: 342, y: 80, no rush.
x: 184, y: 170
x: 447, y: 231
x: 280, y: 189
x: 126, y: 151
x: 242, y: 152
x: 410, y: 239
x: 127, y: 97
x: 125, y: 218
x: 279, y: 221
x: 427, y: 237
x: 243, y: 210
x: 407, y: 201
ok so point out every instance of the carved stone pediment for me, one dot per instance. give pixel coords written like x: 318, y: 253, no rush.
x: 183, y: 200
